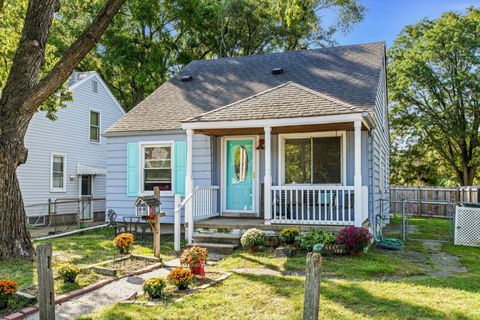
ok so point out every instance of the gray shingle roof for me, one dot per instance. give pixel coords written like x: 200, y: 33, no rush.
x: 288, y: 100
x: 349, y: 74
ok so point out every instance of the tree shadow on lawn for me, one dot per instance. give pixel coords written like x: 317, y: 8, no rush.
x: 353, y: 297
x: 359, y: 300
x: 285, y: 286
x: 467, y: 283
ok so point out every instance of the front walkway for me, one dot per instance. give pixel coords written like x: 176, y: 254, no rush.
x: 106, y: 296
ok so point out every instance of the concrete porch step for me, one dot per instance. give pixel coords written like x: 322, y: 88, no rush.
x: 222, y: 248
x: 218, y: 238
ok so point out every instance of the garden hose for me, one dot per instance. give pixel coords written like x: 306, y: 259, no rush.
x: 386, y: 243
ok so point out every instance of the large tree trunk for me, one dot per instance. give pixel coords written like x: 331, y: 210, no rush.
x: 22, y: 95
x: 14, y: 238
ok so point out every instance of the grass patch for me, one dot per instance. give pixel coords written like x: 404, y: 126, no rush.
x: 15, y: 303
x: 281, y: 297
x: 469, y: 258
x: 81, y: 249
x: 372, y: 264
x: 431, y: 228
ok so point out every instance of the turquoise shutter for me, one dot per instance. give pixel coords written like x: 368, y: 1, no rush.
x: 180, y: 167
x: 132, y: 169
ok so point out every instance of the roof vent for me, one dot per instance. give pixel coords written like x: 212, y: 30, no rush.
x: 277, y: 70
x: 186, y: 78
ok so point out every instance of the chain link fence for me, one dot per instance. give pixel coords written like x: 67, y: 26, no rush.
x: 64, y: 215
x: 407, y: 222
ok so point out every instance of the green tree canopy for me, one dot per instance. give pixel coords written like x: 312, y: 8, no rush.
x: 150, y: 40
x: 434, y: 86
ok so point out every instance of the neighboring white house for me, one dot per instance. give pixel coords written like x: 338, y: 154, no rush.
x: 295, y: 138
x: 67, y: 157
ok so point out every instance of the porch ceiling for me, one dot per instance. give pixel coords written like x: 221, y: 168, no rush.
x: 342, y: 126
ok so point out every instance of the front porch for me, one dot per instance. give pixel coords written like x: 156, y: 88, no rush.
x: 286, y: 156
x: 275, y: 203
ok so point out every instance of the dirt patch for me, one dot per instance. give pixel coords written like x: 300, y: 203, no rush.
x: 127, y: 266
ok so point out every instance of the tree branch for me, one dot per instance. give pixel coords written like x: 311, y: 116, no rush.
x: 29, y: 57
x: 77, y: 51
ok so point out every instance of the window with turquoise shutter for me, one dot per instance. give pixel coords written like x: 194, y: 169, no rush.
x: 180, y: 159
x: 132, y: 169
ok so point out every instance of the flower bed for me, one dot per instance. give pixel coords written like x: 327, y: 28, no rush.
x: 86, y: 277
x: 172, y: 294
x: 126, y: 265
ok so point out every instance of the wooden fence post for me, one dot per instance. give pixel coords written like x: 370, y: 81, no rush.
x: 156, y: 230
x: 311, y: 301
x: 46, y: 293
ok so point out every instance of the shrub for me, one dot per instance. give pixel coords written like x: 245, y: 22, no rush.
x: 312, y: 237
x: 7, y: 289
x: 154, y: 287
x: 194, y: 256
x: 123, y: 242
x: 288, y: 235
x: 180, y: 277
x: 253, y: 238
x: 355, y: 239
x: 68, y: 272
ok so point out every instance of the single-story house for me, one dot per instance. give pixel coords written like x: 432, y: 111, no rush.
x: 294, y: 138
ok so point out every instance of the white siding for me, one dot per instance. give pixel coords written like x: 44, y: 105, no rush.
x: 380, y: 154
x: 69, y: 135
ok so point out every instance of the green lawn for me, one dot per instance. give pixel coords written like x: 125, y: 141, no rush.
x: 81, y: 249
x: 372, y: 264
x: 353, y: 288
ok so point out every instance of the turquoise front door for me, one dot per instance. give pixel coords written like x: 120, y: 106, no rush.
x: 239, y: 184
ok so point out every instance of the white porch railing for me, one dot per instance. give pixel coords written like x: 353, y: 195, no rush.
x: 204, y: 201
x: 316, y: 204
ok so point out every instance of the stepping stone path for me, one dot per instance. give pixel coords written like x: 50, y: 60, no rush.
x: 445, y: 264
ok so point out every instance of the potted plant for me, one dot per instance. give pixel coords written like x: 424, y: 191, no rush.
x: 355, y: 239
x: 68, y: 272
x: 123, y: 242
x: 154, y: 287
x: 312, y: 237
x: 180, y: 277
x: 7, y: 290
x: 288, y: 235
x: 253, y: 238
x: 195, y: 258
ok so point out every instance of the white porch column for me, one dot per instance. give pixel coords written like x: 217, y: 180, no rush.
x: 189, y: 187
x: 358, y: 173
x: 268, y: 176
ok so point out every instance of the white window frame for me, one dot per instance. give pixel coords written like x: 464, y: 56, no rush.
x: 64, y: 156
x: 308, y: 135
x: 94, y: 86
x: 143, y: 145
x: 90, y: 110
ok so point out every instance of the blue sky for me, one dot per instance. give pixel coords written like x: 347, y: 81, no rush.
x: 385, y: 19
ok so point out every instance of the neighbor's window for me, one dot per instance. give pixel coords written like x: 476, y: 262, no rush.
x: 94, y: 126
x: 157, y: 167
x: 94, y: 86
x: 57, y: 173
x: 313, y: 160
